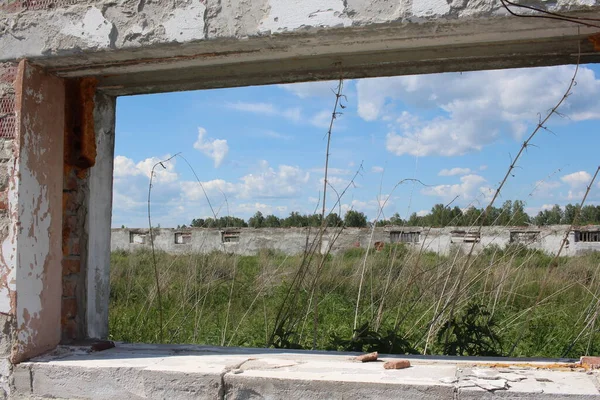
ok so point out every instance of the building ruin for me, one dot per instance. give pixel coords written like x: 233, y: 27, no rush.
x: 64, y: 62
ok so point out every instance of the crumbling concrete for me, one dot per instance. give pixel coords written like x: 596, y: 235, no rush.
x: 138, y: 46
x: 291, y: 241
x: 191, y: 372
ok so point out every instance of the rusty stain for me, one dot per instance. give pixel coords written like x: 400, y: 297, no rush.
x: 151, y: 61
x: 595, y: 40
x: 80, y: 137
x: 552, y: 366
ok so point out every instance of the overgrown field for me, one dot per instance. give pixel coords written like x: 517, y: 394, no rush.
x: 509, y: 301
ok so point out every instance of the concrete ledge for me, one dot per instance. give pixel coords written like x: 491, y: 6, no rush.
x: 192, y: 372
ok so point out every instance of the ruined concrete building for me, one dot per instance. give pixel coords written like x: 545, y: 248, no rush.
x: 292, y: 241
x: 64, y: 62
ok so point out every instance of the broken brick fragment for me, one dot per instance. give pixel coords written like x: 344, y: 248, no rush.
x: 590, y: 362
x: 103, y: 345
x: 396, y: 364
x: 368, y: 357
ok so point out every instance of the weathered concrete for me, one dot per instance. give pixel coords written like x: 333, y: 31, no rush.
x: 138, y: 46
x: 294, y: 240
x: 191, y: 372
x: 99, y: 206
x: 36, y: 210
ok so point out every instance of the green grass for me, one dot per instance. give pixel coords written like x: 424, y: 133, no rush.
x: 222, y: 299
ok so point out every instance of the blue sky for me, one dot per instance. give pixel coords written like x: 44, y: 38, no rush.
x: 262, y: 148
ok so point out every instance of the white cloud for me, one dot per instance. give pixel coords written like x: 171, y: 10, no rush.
x: 310, y: 89
x: 125, y: 167
x: 268, y: 109
x: 577, y: 179
x: 377, y: 169
x: 470, y: 187
x: 483, y: 167
x: 545, y: 188
x: 454, y: 171
x: 216, y: 149
x: 266, y: 209
x: 322, y: 119
x: 284, y: 182
x: 474, y: 109
x: 422, y: 213
x: 275, y: 135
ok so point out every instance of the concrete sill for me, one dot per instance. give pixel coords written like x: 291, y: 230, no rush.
x: 201, y: 372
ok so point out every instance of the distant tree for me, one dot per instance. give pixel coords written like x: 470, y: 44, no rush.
x: 569, y: 214
x: 256, y: 221
x: 396, y: 220
x: 197, y: 223
x: 471, y: 216
x: 271, y: 221
x: 333, y: 220
x: 355, y: 219
x: 519, y: 216
x: 295, y: 219
x: 314, y: 220
x: 553, y: 216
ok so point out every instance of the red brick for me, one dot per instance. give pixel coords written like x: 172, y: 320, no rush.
x: 4, y: 200
x: 396, y: 364
x: 71, y: 204
x: 69, y: 328
x: 590, y: 362
x: 71, y: 266
x: 73, y: 247
x: 69, y: 308
x: 69, y: 287
x: 368, y: 357
x: 71, y: 182
x: 71, y: 223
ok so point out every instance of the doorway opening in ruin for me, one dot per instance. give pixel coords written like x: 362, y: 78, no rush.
x: 236, y: 208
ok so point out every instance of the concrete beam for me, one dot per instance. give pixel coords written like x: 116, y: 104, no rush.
x: 166, y: 45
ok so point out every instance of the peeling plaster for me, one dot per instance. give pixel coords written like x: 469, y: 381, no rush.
x: 34, y: 246
x: 430, y: 8
x: 9, y: 244
x: 186, y: 24
x: 308, y: 13
x: 94, y: 30
x: 37, y: 220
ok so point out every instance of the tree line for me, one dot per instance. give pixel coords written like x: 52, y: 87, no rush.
x: 352, y: 218
x: 510, y: 213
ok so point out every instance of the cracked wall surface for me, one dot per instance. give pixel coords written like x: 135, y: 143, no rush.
x: 293, y: 241
x: 143, y: 46
x: 48, y: 28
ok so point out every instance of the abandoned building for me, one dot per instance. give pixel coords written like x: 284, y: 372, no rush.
x: 291, y: 241
x: 63, y: 63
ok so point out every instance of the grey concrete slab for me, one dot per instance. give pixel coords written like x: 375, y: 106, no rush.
x: 192, y: 372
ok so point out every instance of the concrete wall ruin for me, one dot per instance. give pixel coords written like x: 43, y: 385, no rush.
x: 292, y: 241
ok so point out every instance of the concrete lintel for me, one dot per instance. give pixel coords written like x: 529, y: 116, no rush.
x: 189, y: 372
x: 374, y: 51
x: 383, y: 46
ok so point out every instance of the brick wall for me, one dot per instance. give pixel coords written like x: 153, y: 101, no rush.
x: 8, y: 74
x: 73, y: 306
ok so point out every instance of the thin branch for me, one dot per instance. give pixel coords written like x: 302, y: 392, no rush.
x: 156, y: 275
